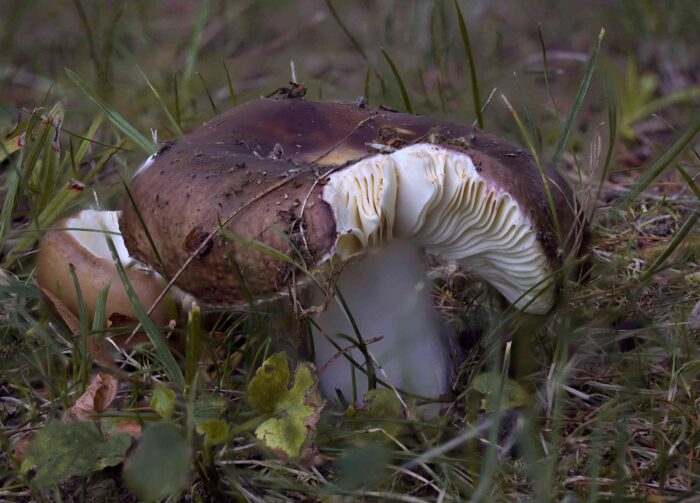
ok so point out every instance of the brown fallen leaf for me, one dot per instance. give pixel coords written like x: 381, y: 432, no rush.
x: 97, y: 397
x: 133, y: 428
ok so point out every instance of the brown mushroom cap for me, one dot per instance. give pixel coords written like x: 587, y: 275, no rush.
x: 87, y: 251
x: 267, y: 163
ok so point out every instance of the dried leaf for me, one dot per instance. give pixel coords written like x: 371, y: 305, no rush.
x: 97, y: 397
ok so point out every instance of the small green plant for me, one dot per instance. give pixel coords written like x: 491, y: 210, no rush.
x: 639, y: 100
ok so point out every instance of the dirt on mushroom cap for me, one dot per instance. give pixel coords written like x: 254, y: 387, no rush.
x: 262, y: 165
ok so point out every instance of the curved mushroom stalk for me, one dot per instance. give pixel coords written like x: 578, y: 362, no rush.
x: 388, y: 297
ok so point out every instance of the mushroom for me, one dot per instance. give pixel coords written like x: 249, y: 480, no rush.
x: 81, y: 241
x: 358, y: 195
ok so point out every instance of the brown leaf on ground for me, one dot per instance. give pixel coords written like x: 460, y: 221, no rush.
x: 133, y: 428
x: 97, y: 397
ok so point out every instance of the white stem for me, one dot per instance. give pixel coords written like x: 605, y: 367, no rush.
x: 388, y: 296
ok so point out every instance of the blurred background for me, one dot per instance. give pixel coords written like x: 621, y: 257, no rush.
x: 650, y: 49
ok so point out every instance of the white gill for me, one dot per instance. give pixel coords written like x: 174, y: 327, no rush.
x: 435, y: 197
x: 90, y: 228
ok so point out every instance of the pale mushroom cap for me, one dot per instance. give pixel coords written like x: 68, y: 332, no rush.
x: 301, y: 178
x: 81, y: 241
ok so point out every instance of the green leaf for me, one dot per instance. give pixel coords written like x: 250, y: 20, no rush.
x: 362, y: 467
x: 163, y: 402
x: 381, y: 404
x: 160, y: 463
x: 215, y: 431
x: 487, y: 383
x: 208, y: 407
x: 295, y: 406
x: 64, y: 450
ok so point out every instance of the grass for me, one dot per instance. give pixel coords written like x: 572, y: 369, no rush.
x: 612, y: 374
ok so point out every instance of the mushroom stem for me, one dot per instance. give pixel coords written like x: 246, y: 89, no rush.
x: 388, y: 296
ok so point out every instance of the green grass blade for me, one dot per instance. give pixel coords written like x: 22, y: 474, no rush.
x: 258, y: 246
x: 100, y: 309
x: 578, y: 103
x: 229, y: 85
x: 159, y: 344
x: 546, y: 73
x: 142, y: 222
x: 399, y: 80
x: 538, y: 163
x: 195, y: 41
x: 117, y: 120
x: 193, y: 342
x: 682, y: 233
x: 176, y: 97
x: 689, y: 180
x: 81, y: 370
x: 206, y: 90
x: 611, y: 99
x: 368, y: 74
x: 489, y: 466
x: 169, y: 116
x: 662, y: 162
x: 680, y: 236
x: 470, y: 61
x: 355, y: 44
